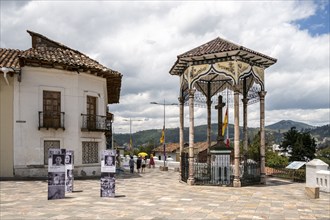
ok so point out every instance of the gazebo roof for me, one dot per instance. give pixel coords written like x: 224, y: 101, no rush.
x: 217, y: 50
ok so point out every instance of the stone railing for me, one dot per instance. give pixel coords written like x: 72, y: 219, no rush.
x: 323, y: 180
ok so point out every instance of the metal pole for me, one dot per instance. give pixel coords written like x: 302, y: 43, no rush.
x: 113, y: 130
x: 164, y: 136
x: 130, y: 134
x: 164, y: 145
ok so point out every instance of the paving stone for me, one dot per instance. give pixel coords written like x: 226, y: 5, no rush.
x: 159, y: 195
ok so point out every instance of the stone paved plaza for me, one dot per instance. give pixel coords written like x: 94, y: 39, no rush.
x: 160, y: 195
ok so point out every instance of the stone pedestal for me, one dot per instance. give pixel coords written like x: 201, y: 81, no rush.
x: 262, y: 179
x: 163, y: 168
x: 237, y: 183
x: 312, y: 192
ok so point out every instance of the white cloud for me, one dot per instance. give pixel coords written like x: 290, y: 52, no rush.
x: 142, y: 40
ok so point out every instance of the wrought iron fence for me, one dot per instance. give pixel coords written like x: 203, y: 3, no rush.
x: 94, y: 123
x: 250, y: 173
x: 51, y: 120
x: 219, y: 171
x: 215, y: 172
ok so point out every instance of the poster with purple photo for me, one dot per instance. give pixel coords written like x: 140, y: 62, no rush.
x: 69, y: 159
x: 56, y: 173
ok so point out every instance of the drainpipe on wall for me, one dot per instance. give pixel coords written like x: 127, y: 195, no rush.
x: 5, y: 70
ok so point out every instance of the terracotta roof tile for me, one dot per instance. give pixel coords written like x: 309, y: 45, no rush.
x: 62, y: 57
x: 218, y: 45
x: 172, y: 147
x: 9, y: 58
x: 218, y: 49
x: 214, y: 46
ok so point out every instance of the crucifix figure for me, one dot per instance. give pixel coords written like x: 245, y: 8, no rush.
x: 219, y: 107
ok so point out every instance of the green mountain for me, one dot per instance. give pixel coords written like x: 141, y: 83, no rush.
x: 285, y: 125
x: 274, y: 133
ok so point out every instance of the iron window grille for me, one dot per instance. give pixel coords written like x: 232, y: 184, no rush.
x: 51, y: 119
x: 90, y: 152
x: 94, y: 123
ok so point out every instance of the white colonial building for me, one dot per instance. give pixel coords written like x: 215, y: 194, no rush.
x: 60, y: 99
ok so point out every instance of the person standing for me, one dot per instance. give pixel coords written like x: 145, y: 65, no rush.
x: 138, y: 164
x: 131, y: 165
x: 144, y: 162
x: 151, y: 161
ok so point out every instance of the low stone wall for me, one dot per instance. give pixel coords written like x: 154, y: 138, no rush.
x: 172, y: 165
x: 41, y: 171
x: 27, y: 172
x: 271, y: 171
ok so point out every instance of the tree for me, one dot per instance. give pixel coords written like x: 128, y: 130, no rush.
x: 299, y: 145
x: 289, y: 139
x: 274, y: 160
x: 324, y: 155
x: 253, y: 151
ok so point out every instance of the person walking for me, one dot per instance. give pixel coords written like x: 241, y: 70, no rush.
x: 131, y: 165
x: 138, y: 164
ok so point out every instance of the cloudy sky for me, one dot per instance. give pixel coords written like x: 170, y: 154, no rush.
x: 141, y: 39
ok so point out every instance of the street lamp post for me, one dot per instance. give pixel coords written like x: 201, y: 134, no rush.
x: 130, y: 131
x: 164, y: 104
x: 109, y: 135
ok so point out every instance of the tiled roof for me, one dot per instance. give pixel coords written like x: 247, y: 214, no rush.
x: 218, y: 45
x: 63, y: 57
x: 9, y: 58
x: 51, y: 54
x: 217, y: 50
x: 169, y: 147
x: 214, y: 46
x: 49, y: 51
x: 172, y: 147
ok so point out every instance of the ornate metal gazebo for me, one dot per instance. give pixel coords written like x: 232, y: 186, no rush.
x: 206, y: 73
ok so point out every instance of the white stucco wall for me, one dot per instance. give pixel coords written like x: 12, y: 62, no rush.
x: 168, y: 155
x: 311, y: 169
x: 6, y: 126
x: 74, y: 88
x: 323, y: 180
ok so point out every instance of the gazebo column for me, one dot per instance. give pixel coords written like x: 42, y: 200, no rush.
x: 191, y: 178
x: 245, y: 132
x: 237, y: 181
x: 208, y: 135
x: 262, y: 95
x: 181, y: 127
